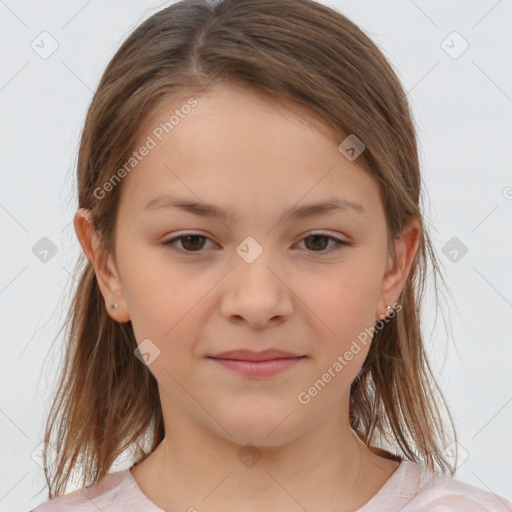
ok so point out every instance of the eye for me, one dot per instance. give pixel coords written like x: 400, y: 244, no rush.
x: 193, y: 242
x: 190, y: 241
x: 319, y: 241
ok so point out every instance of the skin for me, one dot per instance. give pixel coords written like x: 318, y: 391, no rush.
x: 250, y: 154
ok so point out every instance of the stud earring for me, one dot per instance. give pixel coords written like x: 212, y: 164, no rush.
x: 386, y: 313
x: 113, y: 306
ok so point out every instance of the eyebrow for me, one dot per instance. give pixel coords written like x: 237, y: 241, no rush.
x: 202, y: 209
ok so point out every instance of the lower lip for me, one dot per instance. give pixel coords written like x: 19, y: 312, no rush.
x: 258, y: 368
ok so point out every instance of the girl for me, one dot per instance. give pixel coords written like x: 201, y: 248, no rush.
x: 246, y: 324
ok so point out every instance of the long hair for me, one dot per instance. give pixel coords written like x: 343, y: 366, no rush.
x: 107, y: 401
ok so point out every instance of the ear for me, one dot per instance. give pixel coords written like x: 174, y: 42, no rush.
x: 106, y: 272
x: 397, y: 270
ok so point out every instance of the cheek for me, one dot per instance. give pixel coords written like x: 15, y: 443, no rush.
x: 344, y: 304
x: 343, y: 301
x: 158, y: 295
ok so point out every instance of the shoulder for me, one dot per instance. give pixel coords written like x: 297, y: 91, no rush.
x: 107, y: 496
x: 437, y: 492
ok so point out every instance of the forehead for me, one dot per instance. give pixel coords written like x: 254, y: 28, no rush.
x: 234, y: 145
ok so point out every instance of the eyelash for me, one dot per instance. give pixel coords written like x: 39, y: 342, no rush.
x: 340, y: 244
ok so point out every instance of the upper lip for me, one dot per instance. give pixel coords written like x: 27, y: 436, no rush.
x: 251, y: 355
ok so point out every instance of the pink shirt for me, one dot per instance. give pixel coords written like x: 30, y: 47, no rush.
x: 411, y: 488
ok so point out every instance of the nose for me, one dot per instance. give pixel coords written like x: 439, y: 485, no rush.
x: 256, y: 293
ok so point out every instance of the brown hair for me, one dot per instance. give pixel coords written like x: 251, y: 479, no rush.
x: 107, y: 400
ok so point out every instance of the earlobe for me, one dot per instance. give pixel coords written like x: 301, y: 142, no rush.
x: 108, y: 281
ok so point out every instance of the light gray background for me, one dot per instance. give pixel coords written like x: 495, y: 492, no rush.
x: 462, y: 108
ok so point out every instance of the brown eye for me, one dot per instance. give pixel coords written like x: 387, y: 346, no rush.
x: 190, y: 243
x: 319, y: 242
x: 193, y: 242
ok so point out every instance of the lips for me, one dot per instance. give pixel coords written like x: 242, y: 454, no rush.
x: 256, y: 365
x: 251, y: 355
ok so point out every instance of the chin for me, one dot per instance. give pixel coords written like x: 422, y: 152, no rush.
x: 270, y: 428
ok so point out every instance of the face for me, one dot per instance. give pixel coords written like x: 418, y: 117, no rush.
x: 266, y: 274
